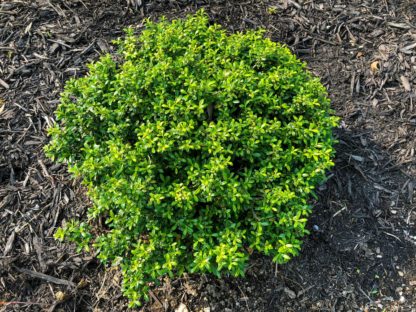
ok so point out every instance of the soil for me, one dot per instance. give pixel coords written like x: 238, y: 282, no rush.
x: 361, y: 253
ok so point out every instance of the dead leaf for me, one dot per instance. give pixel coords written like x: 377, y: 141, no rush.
x: 82, y: 284
x: 375, y: 66
x: 60, y: 296
x: 405, y: 83
x: 360, y: 54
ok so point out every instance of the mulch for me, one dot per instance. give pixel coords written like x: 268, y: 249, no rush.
x: 361, y: 253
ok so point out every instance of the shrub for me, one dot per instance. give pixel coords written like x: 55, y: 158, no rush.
x: 197, y: 148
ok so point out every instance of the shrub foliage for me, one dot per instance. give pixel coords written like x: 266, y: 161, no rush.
x: 197, y: 149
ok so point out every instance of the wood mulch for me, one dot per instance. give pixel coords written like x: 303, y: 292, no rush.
x: 361, y: 253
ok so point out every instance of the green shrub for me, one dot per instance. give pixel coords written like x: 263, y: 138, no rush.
x: 197, y: 149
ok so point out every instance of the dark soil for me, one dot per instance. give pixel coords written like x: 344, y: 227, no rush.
x: 361, y: 254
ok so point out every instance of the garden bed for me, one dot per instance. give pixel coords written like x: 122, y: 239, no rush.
x: 361, y: 253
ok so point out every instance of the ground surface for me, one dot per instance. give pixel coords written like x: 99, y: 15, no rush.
x: 362, y: 258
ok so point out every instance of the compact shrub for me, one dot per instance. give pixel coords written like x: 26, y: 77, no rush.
x: 197, y: 148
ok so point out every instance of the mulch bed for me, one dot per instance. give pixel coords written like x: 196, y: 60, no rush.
x: 361, y: 253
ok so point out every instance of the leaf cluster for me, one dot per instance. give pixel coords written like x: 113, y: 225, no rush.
x: 198, y: 148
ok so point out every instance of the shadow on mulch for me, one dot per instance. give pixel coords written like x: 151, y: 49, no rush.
x: 360, y: 255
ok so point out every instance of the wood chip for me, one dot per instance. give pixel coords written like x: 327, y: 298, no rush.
x: 103, y: 46
x: 46, y: 277
x: 410, y: 188
x: 291, y: 294
x: 28, y: 28
x: 4, y: 84
x: 357, y: 158
x: 181, y: 308
x: 9, y: 243
x: 405, y: 83
x: 37, y: 243
x: 408, y: 48
x: 399, y: 25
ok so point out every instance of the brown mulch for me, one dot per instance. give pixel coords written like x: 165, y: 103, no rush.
x: 361, y: 254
